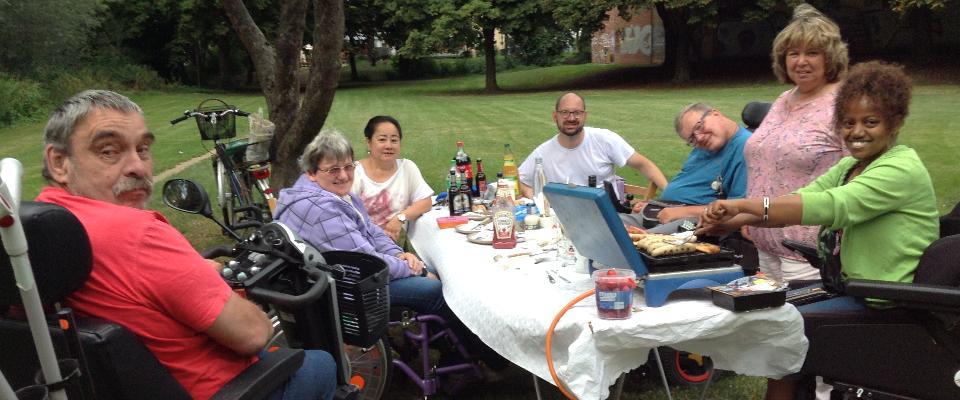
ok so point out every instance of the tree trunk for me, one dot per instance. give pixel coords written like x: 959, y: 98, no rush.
x: 677, y: 42
x: 920, y: 24
x: 298, y: 116
x: 352, y: 58
x: 223, y: 60
x: 490, y: 56
x: 371, y: 50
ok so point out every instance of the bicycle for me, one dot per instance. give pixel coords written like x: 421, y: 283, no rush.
x: 243, y: 186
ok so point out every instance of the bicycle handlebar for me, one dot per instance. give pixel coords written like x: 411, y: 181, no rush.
x: 206, y: 115
x: 179, y: 120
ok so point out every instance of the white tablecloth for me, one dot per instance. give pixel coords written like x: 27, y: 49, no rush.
x: 511, y: 304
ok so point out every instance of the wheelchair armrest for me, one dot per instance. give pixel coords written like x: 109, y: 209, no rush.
x: 804, y: 249
x: 908, y: 295
x: 260, y: 379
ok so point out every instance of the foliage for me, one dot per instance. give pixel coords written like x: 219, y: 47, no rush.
x: 19, y: 99
x: 903, y: 6
x: 542, y: 47
x: 45, y: 32
x: 435, y: 67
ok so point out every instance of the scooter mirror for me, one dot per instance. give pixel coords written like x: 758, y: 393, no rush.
x: 187, y: 196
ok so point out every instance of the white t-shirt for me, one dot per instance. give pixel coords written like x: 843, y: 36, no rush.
x: 386, y: 199
x: 601, y: 153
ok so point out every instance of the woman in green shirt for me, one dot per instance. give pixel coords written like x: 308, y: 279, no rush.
x: 879, y: 202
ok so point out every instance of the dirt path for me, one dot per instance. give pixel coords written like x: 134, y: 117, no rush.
x: 163, y: 176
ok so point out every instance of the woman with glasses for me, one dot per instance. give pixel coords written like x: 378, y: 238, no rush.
x: 392, y: 188
x: 795, y: 142
x: 877, y: 207
x: 320, y: 208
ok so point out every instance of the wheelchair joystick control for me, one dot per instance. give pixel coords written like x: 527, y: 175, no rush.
x: 226, y: 272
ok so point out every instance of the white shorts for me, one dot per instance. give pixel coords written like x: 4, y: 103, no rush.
x: 785, y: 269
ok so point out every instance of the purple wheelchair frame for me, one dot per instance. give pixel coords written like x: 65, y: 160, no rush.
x: 429, y: 380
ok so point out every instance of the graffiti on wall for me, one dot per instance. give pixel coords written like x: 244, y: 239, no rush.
x: 639, y: 41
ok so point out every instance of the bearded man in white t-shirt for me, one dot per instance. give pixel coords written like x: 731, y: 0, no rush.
x: 577, y: 152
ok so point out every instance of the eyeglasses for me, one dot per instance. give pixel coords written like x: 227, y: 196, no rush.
x: 697, y: 128
x: 576, y: 114
x: 335, y: 171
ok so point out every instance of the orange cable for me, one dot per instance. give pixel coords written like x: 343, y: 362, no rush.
x: 556, y: 319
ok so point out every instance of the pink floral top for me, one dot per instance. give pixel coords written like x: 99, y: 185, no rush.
x: 795, y: 144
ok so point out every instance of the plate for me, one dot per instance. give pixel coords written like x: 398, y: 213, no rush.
x: 474, y: 227
x: 486, y: 237
x: 475, y: 216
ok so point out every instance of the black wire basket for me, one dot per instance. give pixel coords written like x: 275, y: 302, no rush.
x: 363, y: 296
x: 226, y: 126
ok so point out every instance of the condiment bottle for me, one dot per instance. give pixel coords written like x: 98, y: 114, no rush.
x: 504, y: 230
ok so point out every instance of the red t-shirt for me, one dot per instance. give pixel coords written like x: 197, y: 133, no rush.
x: 149, y: 279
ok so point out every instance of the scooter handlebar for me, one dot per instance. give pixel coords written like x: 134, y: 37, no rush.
x: 218, y: 251
x: 288, y: 301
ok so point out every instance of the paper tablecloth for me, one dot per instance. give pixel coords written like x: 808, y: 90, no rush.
x: 510, y: 304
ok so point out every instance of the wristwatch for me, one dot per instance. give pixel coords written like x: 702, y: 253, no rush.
x: 401, y: 217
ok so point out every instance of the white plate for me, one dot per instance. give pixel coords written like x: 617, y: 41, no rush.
x: 474, y: 227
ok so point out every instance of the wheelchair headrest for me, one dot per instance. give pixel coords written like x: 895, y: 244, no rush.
x: 753, y: 114
x: 950, y: 223
x: 940, y: 263
x: 59, y: 252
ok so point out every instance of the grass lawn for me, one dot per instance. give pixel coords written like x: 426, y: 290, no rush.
x: 437, y: 113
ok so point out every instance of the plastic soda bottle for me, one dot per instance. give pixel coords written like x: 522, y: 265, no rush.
x: 463, y: 161
x: 504, y: 229
x: 539, y: 180
x: 510, y: 169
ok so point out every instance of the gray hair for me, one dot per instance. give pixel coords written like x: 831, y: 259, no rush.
x: 329, y: 144
x: 696, y: 107
x: 64, y: 119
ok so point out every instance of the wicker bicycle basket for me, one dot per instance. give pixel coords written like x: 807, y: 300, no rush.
x: 226, y: 126
x: 363, y: 296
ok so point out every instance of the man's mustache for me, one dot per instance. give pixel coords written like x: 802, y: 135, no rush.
x: 127, y: 184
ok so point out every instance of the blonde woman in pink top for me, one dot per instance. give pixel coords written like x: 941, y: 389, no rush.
x: 796, y: 142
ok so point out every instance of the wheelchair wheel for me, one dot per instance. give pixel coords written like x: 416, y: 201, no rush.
x: 682, y: 368
x: 370, y: 369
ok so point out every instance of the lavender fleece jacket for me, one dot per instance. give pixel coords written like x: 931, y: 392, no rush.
x: 327, y: 222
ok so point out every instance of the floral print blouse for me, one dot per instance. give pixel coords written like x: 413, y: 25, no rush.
x: 795, y: 144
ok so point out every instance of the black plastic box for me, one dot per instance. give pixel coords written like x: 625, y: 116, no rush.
x: 746, y: 300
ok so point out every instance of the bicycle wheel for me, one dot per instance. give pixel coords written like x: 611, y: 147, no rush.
x: 370, y: 369
x: 235, y: 198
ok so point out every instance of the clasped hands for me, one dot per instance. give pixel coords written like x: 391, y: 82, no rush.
x: 416, y: 266
x: 715, y: 219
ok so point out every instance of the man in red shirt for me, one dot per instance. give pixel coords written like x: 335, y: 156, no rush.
x: 145, y: 275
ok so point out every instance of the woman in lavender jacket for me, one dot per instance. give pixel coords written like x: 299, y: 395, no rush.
x: 320, y: 208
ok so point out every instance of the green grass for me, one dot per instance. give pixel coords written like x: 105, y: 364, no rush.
x: 437, y: 113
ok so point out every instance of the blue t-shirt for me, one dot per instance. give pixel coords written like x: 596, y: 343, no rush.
x: 695, y: 182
